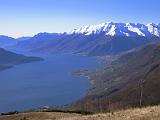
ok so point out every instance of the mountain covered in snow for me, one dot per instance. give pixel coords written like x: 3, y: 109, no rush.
x: 103, y: 39
x: 120, y: 29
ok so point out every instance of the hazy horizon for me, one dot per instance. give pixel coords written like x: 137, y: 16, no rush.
x: 27, y: 18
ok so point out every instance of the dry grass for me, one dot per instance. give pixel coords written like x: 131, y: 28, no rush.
x: 38, y: 116
x: 148, y: 113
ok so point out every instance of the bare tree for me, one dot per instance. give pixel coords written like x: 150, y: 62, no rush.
x: 100, y: 105
x: 141, y: 92
x: 108, y: 103
x: 86, y: 106
x: 142, y: 81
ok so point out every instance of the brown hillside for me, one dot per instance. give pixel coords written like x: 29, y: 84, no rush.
x: 149, y: 113
x: 120, y: 85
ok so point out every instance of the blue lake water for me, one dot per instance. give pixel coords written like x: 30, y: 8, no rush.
x: 44, y: 83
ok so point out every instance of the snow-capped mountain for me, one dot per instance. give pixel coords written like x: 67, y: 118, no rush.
x: 103, y: 39
x: 120, y: 29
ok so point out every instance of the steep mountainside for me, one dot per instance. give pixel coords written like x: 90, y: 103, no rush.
x: 8, y: 59
x: 121, y: 83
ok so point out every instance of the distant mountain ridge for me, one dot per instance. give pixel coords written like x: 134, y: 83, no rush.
x: 95, y: 40
x: 23, y: 38
x: 6, y: 41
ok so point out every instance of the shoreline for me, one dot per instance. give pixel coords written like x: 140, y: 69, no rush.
x: 80, y: 73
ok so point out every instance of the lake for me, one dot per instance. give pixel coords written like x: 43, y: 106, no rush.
x: 44, y: 83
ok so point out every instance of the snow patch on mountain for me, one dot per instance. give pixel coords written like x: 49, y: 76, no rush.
x: 120, y: 29
x: 154, y: 29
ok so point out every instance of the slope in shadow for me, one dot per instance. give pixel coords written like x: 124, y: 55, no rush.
x: 134, y: 76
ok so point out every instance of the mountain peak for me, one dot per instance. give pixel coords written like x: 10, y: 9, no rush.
x: 153, y: 24
x: 120, y: 29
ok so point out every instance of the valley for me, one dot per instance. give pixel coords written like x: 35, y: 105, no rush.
x: 79, y: 60
x: 118, y: 59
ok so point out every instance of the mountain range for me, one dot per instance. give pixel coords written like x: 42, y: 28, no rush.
x: 95, y: 40
x: 120, y: 29
x: 117, y: 86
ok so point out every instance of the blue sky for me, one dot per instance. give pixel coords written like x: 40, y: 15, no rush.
x: 28, y: 17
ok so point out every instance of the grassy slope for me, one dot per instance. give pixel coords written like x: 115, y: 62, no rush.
x: 148, y: 113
